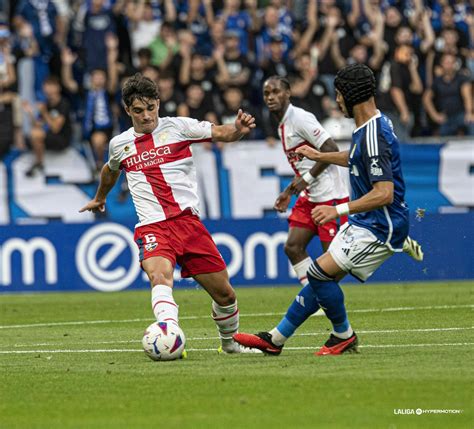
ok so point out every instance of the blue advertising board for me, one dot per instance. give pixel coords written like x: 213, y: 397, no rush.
x: 103, y: 255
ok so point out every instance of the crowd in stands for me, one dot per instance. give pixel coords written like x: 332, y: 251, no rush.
x: 62, y: 63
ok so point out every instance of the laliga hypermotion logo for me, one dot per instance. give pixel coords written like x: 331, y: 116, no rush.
x: 98, y: 250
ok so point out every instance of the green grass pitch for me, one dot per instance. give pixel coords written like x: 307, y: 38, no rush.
x: 74, y: 360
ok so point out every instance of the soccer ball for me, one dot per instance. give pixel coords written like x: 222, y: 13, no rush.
x: 163, y: 341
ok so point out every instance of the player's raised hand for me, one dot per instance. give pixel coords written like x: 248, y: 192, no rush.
x: 244, y: 122
x: 282, y: 202
x: 323, y: 214
x: 309, y: 152
x: 94, y: 206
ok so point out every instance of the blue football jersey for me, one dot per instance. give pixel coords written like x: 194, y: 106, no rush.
x: 374, y: 156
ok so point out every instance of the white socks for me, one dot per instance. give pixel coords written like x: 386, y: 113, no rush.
x: 301, y: 269
x: 344, y: 335
x: 227, y: 321
x: 277, y: 337
x: 163, y: 305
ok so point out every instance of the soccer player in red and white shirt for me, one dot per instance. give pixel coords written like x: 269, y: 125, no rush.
x: 156, y: 156
x: 316, y: 183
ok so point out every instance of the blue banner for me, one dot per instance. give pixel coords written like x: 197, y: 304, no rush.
x: 240, y: 182
x: 103, y: 256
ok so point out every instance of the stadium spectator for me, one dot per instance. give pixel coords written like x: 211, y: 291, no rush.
x: 217, y: 32
x: 449, y: 102
x: 195, y: 70
x: 276, y: 64
x: 308, y: 91
x: 8, y: 96
x: 144, y: 56
x: 52, y: 128
x: 152, y: 72
x: 39, y: 22
x: 195, y: 107
x: 170, y: 96
x: 164, y: 46
x: 233, y: 100
x: 97, y: 26
x: 98, y: 114
x: 371, y: 52
x: 333, y: 30
x: 240, y: 22
x: 272, y: 29
x: 145, y: 24
x: 237, y: 66
x: 403, y: 87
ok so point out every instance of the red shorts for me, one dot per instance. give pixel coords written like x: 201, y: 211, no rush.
x: 183, y: 240
x: 300, y: 217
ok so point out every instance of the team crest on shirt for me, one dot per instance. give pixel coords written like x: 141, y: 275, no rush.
x: 151, y: 246
x: 163, y: 137
x: 375, y: 170
x: 126, y: 148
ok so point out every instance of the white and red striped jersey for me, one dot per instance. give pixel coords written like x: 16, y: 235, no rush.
x: 159, y: 166
x: 298, y: 128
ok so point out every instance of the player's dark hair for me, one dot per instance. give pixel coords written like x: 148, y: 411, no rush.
x: 356, y: 83
x: 283, y: 81
x: 139, y: 87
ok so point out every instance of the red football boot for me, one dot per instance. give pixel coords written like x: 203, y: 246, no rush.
x: 261, y: 341
x: 337, y: 346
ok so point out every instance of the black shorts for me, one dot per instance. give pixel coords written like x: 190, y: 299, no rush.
x: 56, y: 142
x: 107, y: 131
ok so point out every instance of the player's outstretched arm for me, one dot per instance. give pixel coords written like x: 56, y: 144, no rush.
x: 302, y: 182
x: 380, y: 196
x: 244, y: 123
x: 337, y: 158
x: 108, y: 178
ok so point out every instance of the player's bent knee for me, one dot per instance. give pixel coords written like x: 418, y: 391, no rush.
x: 226, y: 296
x: 160, y: 278
x: 293, y: 250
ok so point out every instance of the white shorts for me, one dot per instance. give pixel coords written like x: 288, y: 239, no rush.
x: 358, y: 252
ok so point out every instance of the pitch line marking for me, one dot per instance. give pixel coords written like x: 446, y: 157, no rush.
x: 379, y: 346
x: 361, y: 310
x: 303, y: 334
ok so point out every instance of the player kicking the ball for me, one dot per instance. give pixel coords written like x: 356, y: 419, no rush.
x: 378, y: 225
x: 156, y: 156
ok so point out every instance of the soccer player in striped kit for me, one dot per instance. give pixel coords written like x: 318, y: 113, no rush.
x: 378, y: 222
x: 156, y: 156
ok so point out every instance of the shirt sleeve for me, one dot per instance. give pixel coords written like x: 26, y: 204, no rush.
x: 114, y: 159
x: 197, y: 131
x: 377, y: 155
x: 312, y: 131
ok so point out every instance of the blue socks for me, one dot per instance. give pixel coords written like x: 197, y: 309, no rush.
x: 304, y: 305
x: 331, y: 299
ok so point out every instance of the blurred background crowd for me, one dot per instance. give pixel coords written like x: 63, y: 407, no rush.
x: 62, y: 63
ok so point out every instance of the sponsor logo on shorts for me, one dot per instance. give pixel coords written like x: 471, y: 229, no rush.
x: 150, y: 247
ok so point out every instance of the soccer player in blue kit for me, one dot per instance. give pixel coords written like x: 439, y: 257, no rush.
x: 378, y: 222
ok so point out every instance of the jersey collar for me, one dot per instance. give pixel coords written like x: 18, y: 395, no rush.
x: 290, y: 107
x: 377, y: 115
